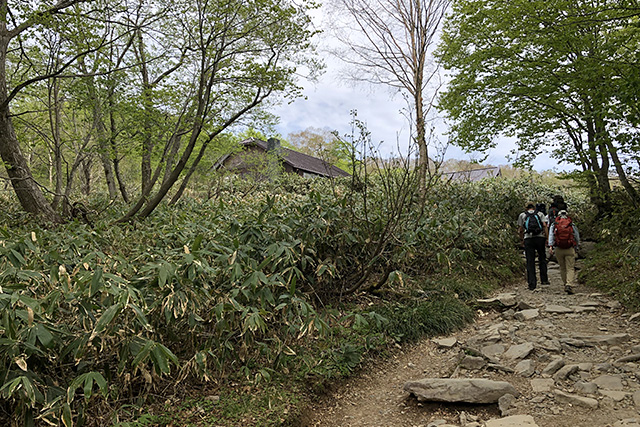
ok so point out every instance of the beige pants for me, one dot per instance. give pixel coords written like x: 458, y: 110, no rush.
x: 567, y: 261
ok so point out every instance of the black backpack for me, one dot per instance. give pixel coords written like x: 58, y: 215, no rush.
x: 541, y: 207
x: 553, y: 211
x: 532, y: 223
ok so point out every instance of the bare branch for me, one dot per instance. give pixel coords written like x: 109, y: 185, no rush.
x: 60, y: 6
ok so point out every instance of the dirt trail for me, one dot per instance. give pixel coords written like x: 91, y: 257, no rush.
x: 377, y: 397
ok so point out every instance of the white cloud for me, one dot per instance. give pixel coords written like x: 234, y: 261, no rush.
x: 329, y: 101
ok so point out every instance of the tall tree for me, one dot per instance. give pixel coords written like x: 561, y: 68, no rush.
x: 20, y: 24
x: 322, y: 143
x: 547, y: 73
x: 240, y: 54
x: 390, y: 42
x: 193, y: 69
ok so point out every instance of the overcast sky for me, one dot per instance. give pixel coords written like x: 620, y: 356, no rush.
x: 328, y: 105
x: 330, y: 100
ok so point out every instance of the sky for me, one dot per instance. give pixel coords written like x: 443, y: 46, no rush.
x: 328, y: 102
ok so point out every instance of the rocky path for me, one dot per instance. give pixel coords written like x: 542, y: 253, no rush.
x: 573, y: 360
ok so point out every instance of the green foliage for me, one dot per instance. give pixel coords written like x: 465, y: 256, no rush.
x: 412, y: 320
x: 614, y: 269
x: 556, y: 76
x: 614, y: 265
x: 240, y: 287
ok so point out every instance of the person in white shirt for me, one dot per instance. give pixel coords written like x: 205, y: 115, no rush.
x: 563, y: 243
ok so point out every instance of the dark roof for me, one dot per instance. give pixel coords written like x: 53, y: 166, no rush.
x: 473, y: 174
x: 301, y: 161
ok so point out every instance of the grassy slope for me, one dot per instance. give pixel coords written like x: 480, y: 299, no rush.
x: 187, y: 281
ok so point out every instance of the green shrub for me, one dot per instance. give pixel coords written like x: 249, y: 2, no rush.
x: 238, y: 286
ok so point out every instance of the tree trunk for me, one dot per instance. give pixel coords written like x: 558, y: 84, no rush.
x: 630, y: 189
x: 171, y: 158
x: 147, y: 102
x: 114, y: 148
x: 27, y: 190
x: 86, y: 175
x: 421, y: 139
x: 55, y: 111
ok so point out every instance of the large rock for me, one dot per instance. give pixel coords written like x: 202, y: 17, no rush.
x: 564, y: 372
x: 492, y: 351
x: 554, y: 366
x: 507, y: 299
x: 526, y: 368
x: 615, y: 339
x: 520, y: 351
x: 529, y: 314
x: 513, y: 421
x: 473, y: 363
x: 540, y: 385
x: 557, y: 309
x: 446, y: 342
x: 609, y: 382
x: 576, y: 400
x: 472, y: 390
x: 585, y: 248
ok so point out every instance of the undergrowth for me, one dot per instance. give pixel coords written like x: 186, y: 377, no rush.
x: 249, y: 297
x: 614, y: 265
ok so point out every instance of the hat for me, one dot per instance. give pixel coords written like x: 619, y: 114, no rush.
x: 530, y: 205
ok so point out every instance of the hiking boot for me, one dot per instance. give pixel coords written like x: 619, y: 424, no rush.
x: 546, y: 283
x: 569, y: 290
x: 532, y: 287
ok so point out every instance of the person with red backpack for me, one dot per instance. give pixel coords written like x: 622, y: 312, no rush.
x: 564, y: 238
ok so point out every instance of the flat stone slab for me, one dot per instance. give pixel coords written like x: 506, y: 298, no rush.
x: 519, y: 351
x: 554, y: 366
x: 529, y: 314
x: 507, y: 299
x: 614, y: 339
x: 629, y: 358
x: 526, y: 368
x: 446, y: 342
x: 609, y: 382
x: 574, y: 342
x: 492, y: 351
x: 542, y: 385
x: 471, y: 390
x: 473, y: 363
x: 513, y: 421
x: 557, y: 309
x: 590, y: 304
x: 584, y: 387
x: 564, y: 372
x: 583, y: 309
x: 617, y: 396
x: 576, y: 400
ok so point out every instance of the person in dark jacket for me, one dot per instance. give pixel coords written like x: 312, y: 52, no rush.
x: 534, y: 243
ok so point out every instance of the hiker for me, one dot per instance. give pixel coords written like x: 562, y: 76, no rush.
x: 533, y: 231
x: 556, y: 206
x: 564, y: 238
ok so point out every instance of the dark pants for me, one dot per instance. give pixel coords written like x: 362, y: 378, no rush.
x: 532, y: 246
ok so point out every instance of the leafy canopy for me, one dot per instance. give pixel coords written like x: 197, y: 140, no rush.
x: 543, y: 72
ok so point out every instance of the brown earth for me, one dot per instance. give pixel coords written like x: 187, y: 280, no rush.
x: 377, y: 398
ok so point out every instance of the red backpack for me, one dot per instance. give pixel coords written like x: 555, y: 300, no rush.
x: 563, y: 233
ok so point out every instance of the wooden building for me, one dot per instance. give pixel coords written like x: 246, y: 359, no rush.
x: 262, y: 159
